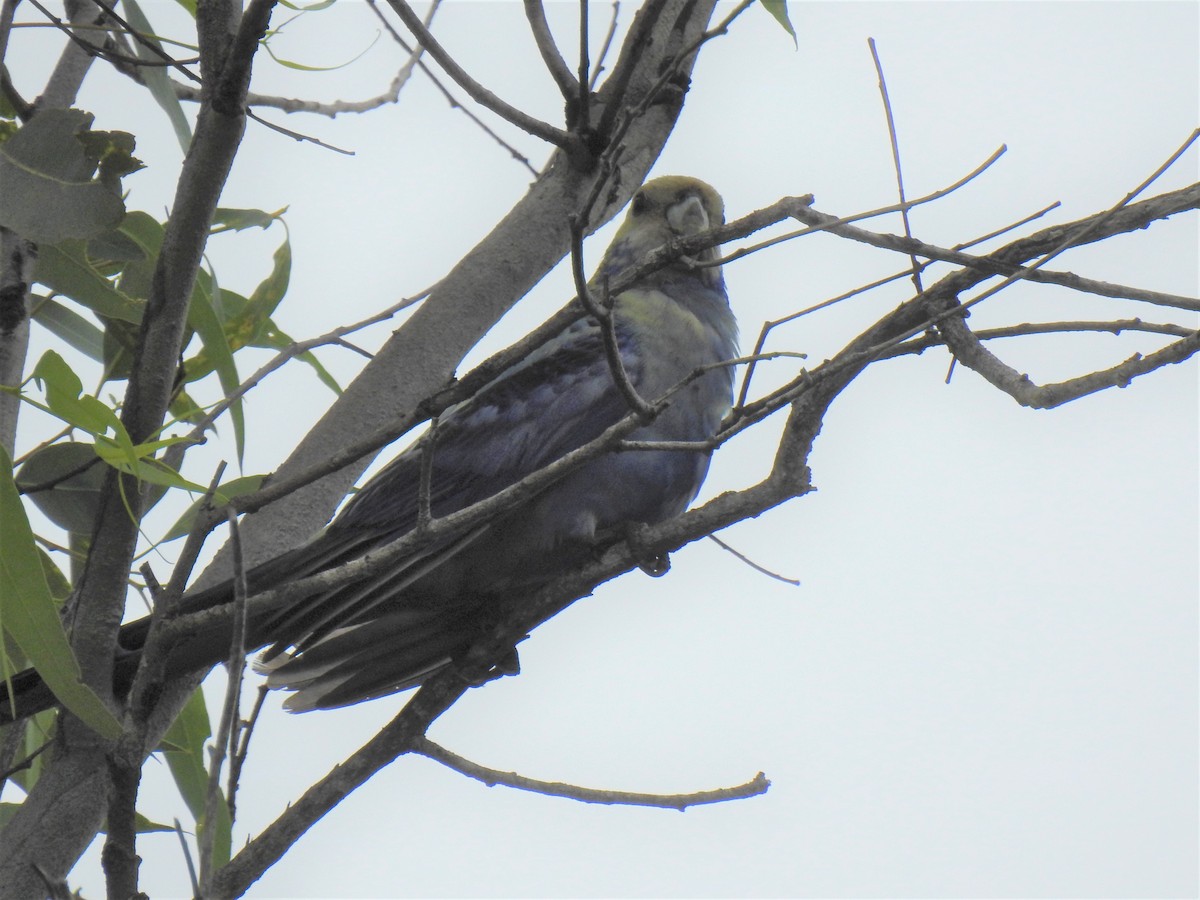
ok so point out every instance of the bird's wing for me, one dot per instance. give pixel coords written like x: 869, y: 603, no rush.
x: 560, y: 398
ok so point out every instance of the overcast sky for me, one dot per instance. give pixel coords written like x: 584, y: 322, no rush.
x: 986, y: 684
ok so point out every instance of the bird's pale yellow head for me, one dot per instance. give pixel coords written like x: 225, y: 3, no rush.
x: 673, y: 206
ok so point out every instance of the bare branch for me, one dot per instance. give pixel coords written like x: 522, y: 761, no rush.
x: 149, y: 45
x: 1174, y: 202
x: 295, y: 135
x: 602, y: 313
x: 492, y: 777
x: 795, y: 582
x: 196, y: 435
x: 967, y: 348
x: 450, y: 99
x: 605, y: 46
x: 891, y: 126
x: 393, y: 740
x: 187, y: 858
x: 334, y: 108
x: 828, y: 224
x: 230, y: 710
x: 555, y: 64
x: 1095, y: 223
x: 242, y: 749
x: 617, y: 119
x: 1027, y: 329
x: 583, y: 115
x: 474, y: 89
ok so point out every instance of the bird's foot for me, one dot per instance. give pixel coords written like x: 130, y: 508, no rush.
x: 650, y: 559
x: 477, y: 674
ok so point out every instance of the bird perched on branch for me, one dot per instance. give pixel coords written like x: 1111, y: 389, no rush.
x: 392, y: 630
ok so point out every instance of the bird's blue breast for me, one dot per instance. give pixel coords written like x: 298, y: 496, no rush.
x: 667, y: 334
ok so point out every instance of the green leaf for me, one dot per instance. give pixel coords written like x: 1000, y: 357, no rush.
x: 204, y: 317
x: 136, y: 461
x: 157, y: 80
x: 146, y: 233
x: 207, y: 321
x: 183, y: 747
x: 75, y: 475
x: 65, y: 323
x: 29, y: 617
x: 302, y: 67
x: 240, y: 219
x: 270, y: 291
x: 115, y: 247
x: 778, y: 9
x: 60, y: 587
x: 64, y: 398
x: 184, y: 409
x: 46, y: 189
x: 311, y: 7
x: 38, y: 731
x: 144, y: 825
x: 226, y: 492
x: 66, y: 269
x: 113, y: 151
x: 274, y: 339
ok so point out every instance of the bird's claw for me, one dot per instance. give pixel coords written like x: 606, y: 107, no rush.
x: 654, y: 562
x: 507, y: 663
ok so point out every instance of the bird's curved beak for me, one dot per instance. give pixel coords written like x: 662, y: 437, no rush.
x: 687, y: 216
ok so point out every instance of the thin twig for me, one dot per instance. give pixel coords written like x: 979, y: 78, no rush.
x: 619, y: 120
x: 891, y: 126
x: 296, y: 135
x: 1075, y: 238
x: 795, y: 582
x: 770, y: 325
x: 491, y: 777
x: 474, y: 89
x: 831, y: 224
x: 152, y: 46
x: 535, y: 13
x: 605, y: 47
x: 449, y: 97
x: 238, y: 759
x: 1026, y: 329
x: 196, y: 435
x: 230, y: 710
x: 603, y: 314
x: 583, y: 100
x: 392, y: 741
x: 187, y: 858
x: 25, y: 763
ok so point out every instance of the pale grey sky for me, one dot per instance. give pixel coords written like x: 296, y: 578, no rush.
x: 986, y: 684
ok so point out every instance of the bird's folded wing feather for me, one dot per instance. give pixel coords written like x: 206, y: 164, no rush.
x: 560, y: 398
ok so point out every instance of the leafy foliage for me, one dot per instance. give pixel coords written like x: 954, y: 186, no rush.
x: 50, y: 189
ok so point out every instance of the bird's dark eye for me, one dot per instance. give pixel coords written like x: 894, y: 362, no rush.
x: 639, y: 203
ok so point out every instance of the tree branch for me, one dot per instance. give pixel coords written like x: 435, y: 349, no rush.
x: 492, y: 777
x: 967, y: 348
x: 393, y: 740
x: 474, y: 89
x: 68, y: 801
x: 555, y: 64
